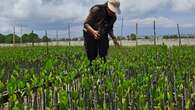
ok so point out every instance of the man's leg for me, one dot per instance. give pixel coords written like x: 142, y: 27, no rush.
x: 90, y: 47
x: 103, y: 47
x: 103, y: 51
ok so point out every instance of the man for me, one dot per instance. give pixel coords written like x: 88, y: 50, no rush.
x: 97, y: 27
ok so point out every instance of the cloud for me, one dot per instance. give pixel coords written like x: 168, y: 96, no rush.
x: 40, y: 9
x: 56, y: 14
x: 161, y: 21
x: 141, y: 7
x: 4, y: 25
x: 184, y: 6
x: 53, y: 10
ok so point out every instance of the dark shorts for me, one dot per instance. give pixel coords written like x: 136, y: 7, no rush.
x: 94, y: 47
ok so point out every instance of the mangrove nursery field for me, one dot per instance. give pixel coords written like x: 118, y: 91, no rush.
x: 133, y: 78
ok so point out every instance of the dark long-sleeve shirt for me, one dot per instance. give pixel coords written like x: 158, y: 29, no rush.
x: 99, y: 19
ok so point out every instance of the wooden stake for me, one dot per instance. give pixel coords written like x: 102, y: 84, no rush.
x: 57, y: 38
x: 47, y: 51
x: 32, y: 38
x: 154, y: 32
x: 14, y: 36
x: 21, y: 34
x: 121, y: 30
x: 136, y: 33
x: 69, y: 33
x: 179, y: 34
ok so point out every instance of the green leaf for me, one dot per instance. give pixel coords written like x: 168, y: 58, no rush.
x: 49, y: 64
x: 17, y: 107
x: 63, y: 100
x: 21, y: 84
x: 11, y: 87
x: 1, y: 86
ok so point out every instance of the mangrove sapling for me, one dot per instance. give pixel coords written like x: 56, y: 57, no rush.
x: 116, y: 89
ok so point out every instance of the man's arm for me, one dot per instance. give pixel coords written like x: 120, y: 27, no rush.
x: 90, y: 19
x: 114, y: 38
x: 91, y: 31
x: 111, y: 33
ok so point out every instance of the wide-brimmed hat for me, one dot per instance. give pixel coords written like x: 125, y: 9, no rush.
x: 114, y: 6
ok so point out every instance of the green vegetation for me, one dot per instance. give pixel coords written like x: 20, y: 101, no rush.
x: 176, y: 36
x: 141, y: 78
x: 25, y: 38
x: 132, y: 36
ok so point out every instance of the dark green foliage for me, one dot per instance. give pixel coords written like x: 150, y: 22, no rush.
x: 132, y: 36
x: 155, y: 77
x: 30, y: 38
x: 25, y: 38
x: 2, y: 38
x: 45, y: 39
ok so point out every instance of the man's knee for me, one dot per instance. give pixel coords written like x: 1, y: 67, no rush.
x: 92, y: 57
x: 103, y: 52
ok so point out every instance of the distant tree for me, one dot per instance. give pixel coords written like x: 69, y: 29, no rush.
x: 128, y: 37
x: 33, y: 37
x: 121, y: 37
x: 2, y: 38
x: 75, y: 39
x: 191, y: 36
x: 25, y: 38
x: 17, y: 39
x: 81, y: 38
x: 9, y: 38
x: 169, y: 36
x: 30, y: 38
x: 45, y: 39
x: 133, y: 36
x: 165, y: 37
x: 173, y: 36
x: 146, y: 37
x: 62, y: 39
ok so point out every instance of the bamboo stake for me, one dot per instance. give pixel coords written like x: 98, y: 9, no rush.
x: 69, y: 34
x: 46, y: 42
x: 21, y: 34
x: 32, y: 38
x: 136, y: 33
x: 14, y: 36
x: 154, y: 32
x: 178, y: 30
x: 121, y: 30
x: 57, y: 43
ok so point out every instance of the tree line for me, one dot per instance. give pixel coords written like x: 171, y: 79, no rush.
x: 25, y: 38
x: 35, y: 38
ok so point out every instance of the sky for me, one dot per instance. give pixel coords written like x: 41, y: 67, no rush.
x: 52, y: 15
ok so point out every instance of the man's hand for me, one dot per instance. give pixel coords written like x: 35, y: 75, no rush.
x: 114, y: 39
x: 96, y: 34
x: 116, y: 43
x: 93, y: 32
